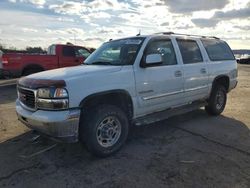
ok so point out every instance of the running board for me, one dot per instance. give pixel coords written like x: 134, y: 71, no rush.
x: 159, y: 116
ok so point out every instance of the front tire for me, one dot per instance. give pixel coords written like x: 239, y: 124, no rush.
x: 4, y: 74
x: 104, y: 130
x: 217, y: 100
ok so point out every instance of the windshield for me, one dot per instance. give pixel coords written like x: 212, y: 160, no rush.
x: 118, y: 52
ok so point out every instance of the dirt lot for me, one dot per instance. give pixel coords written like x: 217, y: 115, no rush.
x: 192, y: 150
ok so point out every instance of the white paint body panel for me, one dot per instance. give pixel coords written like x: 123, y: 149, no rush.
x: 158, y: 88
x: 151, y: 89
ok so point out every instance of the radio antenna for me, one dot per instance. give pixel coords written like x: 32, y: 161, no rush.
x: 139, y: 33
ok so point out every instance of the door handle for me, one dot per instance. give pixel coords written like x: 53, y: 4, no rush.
x: 178, y: 73
x: 203, y: 71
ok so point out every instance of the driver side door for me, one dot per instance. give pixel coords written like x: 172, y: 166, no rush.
x: 159, y: 86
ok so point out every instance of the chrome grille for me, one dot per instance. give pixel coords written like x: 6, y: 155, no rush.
x: 27, y: 97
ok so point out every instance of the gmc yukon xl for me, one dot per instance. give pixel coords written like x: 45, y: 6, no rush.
x: 129, y: 81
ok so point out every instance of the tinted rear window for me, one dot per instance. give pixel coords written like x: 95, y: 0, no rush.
x: 217, y: 50
x: 69, y: 51
x: 190, y: 51
x: 52, y: 50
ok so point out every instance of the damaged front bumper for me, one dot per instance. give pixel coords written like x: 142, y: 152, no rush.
x: 59, y: 125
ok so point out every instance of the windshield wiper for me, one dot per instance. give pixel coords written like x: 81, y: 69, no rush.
x: 101, y: 63
x: 104, y: 63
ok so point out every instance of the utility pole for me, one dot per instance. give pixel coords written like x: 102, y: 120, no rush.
x: 75, y: 38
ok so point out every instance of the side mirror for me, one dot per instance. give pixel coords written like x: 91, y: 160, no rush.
x: 153, y: 59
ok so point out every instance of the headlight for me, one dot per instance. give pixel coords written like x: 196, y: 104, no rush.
x: 52, y: 99
x: 48, y: 93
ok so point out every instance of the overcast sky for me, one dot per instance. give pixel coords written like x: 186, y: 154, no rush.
x: 91, y: 22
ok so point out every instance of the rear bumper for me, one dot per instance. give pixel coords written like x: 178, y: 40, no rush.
x: 233, y: 84
x: 58, y: 125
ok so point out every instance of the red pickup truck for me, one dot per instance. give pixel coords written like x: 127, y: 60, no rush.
x: 21, y: 64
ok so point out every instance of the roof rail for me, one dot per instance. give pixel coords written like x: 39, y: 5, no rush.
x: 165, y: 33
x: 182, y: 34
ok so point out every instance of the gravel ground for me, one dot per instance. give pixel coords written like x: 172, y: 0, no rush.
x: 191, y: 150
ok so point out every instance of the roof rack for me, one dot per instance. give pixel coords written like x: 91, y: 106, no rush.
x: 182, y: 34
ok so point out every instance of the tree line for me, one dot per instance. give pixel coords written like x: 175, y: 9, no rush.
x: 31, y: 50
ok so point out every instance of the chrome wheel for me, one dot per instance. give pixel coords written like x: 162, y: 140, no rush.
x: 108, y: 131
x: 220, y: 98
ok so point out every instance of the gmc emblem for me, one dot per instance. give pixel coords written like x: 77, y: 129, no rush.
x: 22, y: 97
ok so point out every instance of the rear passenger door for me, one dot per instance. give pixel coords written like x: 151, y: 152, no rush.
x: 195, y: 70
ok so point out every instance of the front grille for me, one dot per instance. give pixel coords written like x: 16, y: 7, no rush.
x: 27, y: 97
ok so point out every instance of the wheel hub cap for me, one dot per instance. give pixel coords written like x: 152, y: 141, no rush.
x: 220, y: 99
x: 108, y: 131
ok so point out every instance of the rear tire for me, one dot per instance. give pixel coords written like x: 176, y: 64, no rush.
x: 104, y: 130
x: 217, y: 100
x: 29, y: 71
x: 4, y: 74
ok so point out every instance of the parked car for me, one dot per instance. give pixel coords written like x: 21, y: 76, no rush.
x: 244, y: 59
x: 21, y: 64
x: 3, y: 74
x: 130, y: 81
x: 1, y: 64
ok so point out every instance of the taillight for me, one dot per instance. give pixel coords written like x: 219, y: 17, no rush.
x: 5, y: 60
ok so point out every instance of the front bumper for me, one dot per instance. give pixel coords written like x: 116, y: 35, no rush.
x: 59, y: 125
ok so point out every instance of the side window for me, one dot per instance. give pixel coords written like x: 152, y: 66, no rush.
x: 69, y: 51
x: 81, y: 52
x: 190, y: 51
x: 165, y: 48
x: 217, y: 50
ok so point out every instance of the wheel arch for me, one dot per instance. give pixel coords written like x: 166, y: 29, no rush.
x: 118, y: 97
x: 223, y: 80
x: 32, y: 66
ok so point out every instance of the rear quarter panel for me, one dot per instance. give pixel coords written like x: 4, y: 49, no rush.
x: 17, y: 62
x: 219, y: 68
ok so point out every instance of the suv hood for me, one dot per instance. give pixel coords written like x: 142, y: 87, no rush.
x: 73, y: 72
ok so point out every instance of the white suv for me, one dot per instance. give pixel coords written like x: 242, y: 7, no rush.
x: 136, y: 80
